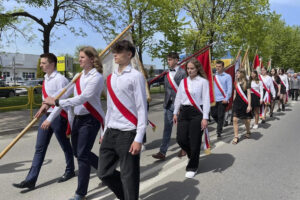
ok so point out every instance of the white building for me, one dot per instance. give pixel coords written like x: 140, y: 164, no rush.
x: 24, y: 66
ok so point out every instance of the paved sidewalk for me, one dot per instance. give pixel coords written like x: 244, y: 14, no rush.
x: 13, y: 121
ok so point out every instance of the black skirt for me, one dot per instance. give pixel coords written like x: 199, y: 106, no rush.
x: 239, y: 108
x: 255, y: 101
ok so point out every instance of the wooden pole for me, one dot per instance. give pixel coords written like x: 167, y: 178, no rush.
x: 116, y: 39
x: 246, y: 54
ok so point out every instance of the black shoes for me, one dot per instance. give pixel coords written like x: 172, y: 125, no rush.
x: 263, y: 121
x: 159, y: 156
x: 66, y: 177
x: 219, y: 135
x: 25, y: 184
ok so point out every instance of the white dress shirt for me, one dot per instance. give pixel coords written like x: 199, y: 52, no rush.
x: 53, y: 86
x: 129, y: 87
x: 258, y: 87
x: 91, y: 85
x: 199, y: 90
x: 268, y: 81
x: 173, y: 73
x: 284, y: 79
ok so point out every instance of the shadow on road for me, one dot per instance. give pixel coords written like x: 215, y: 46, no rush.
x: 17, y: 166
x: 215, y: 162
x: 174, y: 190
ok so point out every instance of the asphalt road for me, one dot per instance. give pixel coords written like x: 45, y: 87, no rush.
x: 264, y: 167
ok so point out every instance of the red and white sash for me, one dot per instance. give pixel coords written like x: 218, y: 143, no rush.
x: 274, y: 83
x: 172, y: 82
x: 282, y: 83
x: 240, y: 92
x: 219, y: 85
x: 206, y: 135
x: 123, y: 110
x: 63, y: 113
x: 255, y: 92
x: 89, y: 106
x: 267, y: 97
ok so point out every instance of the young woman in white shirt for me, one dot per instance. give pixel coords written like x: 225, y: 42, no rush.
x: 192, y: 114
x: 256, y: 96
x: 89, y: 115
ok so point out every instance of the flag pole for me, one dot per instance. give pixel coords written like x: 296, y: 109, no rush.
x: 16, y: 139
x: 254, y: 58
x: 116, y: 39
x: 246, y: 54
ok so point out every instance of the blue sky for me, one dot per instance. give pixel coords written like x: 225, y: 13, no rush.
x: 289, y: 9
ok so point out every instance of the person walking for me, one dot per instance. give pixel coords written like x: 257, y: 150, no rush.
x: 54, y: 82
x: 192, y: 104
x: 223, y: 91
x: 89, y: 115
x: 172, y: 80
x: 241, y: 105
x: 256, y: 96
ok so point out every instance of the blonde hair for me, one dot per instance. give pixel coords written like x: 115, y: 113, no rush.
x: 93, y: 54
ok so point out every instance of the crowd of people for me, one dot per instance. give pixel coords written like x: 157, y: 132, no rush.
x: 123, y: 126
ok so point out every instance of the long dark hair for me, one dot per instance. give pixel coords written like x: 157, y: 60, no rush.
x: 256, y: 79
x: 198, y: 66
x: 243, y: 78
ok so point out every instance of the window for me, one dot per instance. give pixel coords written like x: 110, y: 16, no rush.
x: 6, y: 74
x: 28, y: 75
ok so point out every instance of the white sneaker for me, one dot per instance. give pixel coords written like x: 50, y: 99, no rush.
x: 143, y: 148
x: 255, y: 126
x: 190, y: 174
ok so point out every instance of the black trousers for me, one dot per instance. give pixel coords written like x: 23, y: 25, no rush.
x: 115, y: 149
x: 218, y: 113
x: 189, y: 134
x: 294, y: 93
x: 84, y: 132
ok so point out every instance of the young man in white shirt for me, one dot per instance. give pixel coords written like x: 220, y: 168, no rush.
x: 125, y: 125
x: 54, y: 82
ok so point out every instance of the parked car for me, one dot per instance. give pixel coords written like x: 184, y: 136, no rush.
x: 6, y: 92
x: 10, y: 81
x: 28, y: 84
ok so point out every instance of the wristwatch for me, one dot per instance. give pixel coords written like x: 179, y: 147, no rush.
x: 57, y: 102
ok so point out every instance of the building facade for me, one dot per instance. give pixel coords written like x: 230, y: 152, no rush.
x: 18, y: 66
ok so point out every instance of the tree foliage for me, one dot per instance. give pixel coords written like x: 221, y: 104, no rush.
x: 62, y: 13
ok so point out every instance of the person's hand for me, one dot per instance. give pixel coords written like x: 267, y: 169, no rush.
x: 41, y: 111
x: 261, y: 102
x: 175, y: 119
x: 224, y: 102
x: 49, y: 101
x: 278, y: 94
x: 204, y: 124
x: 45, y: 125
x: 135, y: 148
x: 248, y: 109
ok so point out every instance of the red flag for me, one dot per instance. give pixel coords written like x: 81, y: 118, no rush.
x: 231, y: 71
x: 204, y: 59
x: 256, y: 62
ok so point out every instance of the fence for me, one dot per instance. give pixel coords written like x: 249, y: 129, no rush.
x: 20, y: 97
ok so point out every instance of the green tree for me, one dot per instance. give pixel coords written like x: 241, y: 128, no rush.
x: 63, y: 12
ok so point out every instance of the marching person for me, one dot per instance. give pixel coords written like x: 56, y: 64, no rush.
x: 54, y: 82
x: 192, y: 103
x: 256, y: 96
x: 284, y: 88
x: 241, y: 105
x: 269, y: 92
x: 126, y: 122
x: 223, y: 91
x: 295, y: 86
x: 277, y: 87
x: 172, y: 80
x: 89, y: 115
